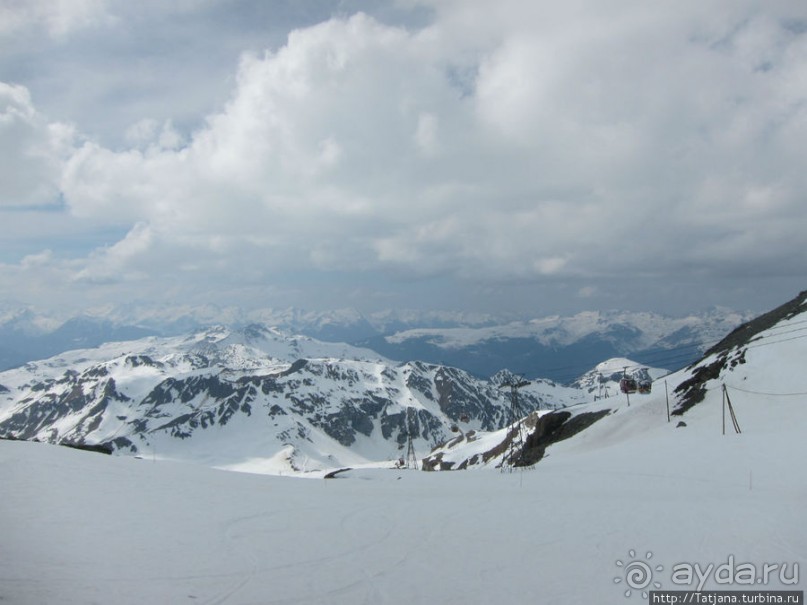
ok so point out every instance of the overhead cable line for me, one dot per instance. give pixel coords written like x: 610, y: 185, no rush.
x: 766, y: 394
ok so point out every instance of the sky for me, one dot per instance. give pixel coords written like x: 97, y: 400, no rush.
x: 504, y: 157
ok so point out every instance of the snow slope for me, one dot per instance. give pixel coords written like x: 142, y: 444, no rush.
x: 631, y: 489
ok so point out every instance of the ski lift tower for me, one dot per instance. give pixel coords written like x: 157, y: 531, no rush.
x: 516, y: 414
x: 411, y: 458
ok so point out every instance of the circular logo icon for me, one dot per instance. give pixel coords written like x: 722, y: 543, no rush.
x: 637, y: 573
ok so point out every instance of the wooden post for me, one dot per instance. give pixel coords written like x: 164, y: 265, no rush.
x: 625, y: 377
x: 727, y: 403
x: 667, y: 397
x: 733, y: 415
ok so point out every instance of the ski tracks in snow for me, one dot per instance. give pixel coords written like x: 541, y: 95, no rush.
x: 296, y: 555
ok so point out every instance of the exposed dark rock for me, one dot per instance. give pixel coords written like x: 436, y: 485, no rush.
x: 123, y: 443
x: 419, y: 382
x: 436, y: 463
x: 136, y: 361
x: 392, y: 422
x: 101, y: 448
x: 552, y: 428
x: 276, y: 410
x: 295, y: 367
x: 98, y: 371
x: 42, y: 386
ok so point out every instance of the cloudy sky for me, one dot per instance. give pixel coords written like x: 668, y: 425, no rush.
x: 504, y: 157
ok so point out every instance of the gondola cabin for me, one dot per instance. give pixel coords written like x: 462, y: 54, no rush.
x: 628, y: 385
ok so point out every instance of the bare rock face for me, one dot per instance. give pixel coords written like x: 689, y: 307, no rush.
x: 541, y: 432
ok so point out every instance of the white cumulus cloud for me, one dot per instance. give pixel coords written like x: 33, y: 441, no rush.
x: 32, y: 150
x: 502, y: 141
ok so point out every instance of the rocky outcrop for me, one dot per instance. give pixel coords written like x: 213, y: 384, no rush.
x: 513, y: 448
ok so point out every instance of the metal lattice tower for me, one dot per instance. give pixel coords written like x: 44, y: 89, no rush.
x: 516, y: 414
x: 411, y: 458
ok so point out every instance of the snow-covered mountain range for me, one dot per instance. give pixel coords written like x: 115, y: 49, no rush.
x: 254, y: 399
x: 557, y: 348
x: 258, y: 398
x: 562, y: 348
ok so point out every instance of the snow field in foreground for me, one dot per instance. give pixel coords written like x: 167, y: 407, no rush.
x: 81, y: 528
